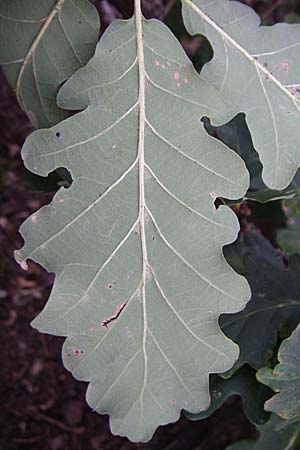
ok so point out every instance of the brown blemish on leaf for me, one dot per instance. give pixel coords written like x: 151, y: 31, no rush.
x: 119, y: 309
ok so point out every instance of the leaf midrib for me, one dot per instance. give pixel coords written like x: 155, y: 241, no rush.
x: 258, y: 66
x: 141, y: 164
x: 32, y: 48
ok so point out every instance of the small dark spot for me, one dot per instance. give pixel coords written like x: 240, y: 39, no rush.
x: 153, y: 238
x: 58, y: 134
x: 255, y: 57
x: 81, y: 351
x: 115, y: 282
x: 265, y: 64
x: 109, y: 50
x: 109, y: 286
x: 69, y: 354
x: 80, y: 22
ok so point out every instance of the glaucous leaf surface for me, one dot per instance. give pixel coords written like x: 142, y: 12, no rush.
x: 275, y: 301
x: 42, y: 43
x: 256, y: 69
x: 136, y: 242
x: 285, y: 379
x: 272, y: 437
x: 289, y: 238
x: 235, y: 134
x: 244, y: 384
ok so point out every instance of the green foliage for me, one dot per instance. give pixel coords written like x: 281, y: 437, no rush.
x: 272, y: 437
x: 42, y: 43
x: 273, y: 306
x: 244, y: 384
x: 112, y: 239
x: 255, y: 69
x: 288, y: 238
x: 285, y: 379
x: 235, y: 134
x: 151, y: 310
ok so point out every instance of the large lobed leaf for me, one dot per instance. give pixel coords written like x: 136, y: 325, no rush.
x: 285, y: 379
x: 256, y: 70
x: 42, y: 43
x: 136, y: 242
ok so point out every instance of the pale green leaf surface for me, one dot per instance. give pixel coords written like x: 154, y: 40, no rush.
x: 256, y: 70
x: 271, y: 437
x: 42, y: 43
x: 285, y: 379
x: 137, y: 232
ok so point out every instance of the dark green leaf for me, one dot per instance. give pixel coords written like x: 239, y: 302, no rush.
x: 244, y: 384
x: 275, y: 301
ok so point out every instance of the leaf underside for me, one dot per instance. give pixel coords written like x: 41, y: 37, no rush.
x: 256, y: 70
x: 136, y: 242
x: 42, y: 43
x: 285, y: 379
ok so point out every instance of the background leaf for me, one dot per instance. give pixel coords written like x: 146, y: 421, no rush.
x: 275, y: 301
x: 285, y: 379
x: 136, y: 242
x: 288, y: 238
x: 244, y: 384
x: 256, y: 70
x: 271, y: 437
x: 42, y: 43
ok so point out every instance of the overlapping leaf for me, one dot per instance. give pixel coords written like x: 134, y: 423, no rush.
x: 244, y: 384
x: 275, y: 301
x: 235, y: 134
x: 42, y: 43
x: 272, y: 437
x: 285, y: 379
x: 256, y: 70
x: 136, y: 242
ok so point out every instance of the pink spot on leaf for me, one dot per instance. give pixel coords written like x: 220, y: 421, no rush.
x: 157, y: 63
x: 23, y: 264
x: 163, y: 66
x: 186, y: 80
x: 285, y: 66
x: 178, y: 84
x: 213, y: 195
x: 176, y: 75
x: 34, y: 218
